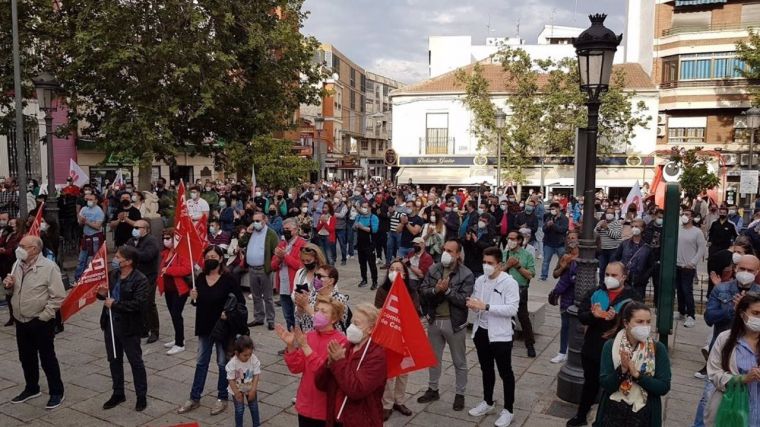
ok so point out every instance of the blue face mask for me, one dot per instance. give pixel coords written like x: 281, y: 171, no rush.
x: 136, y: 233
x: 115, y: 264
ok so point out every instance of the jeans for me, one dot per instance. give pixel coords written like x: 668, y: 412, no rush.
x: 394, y: 241
x: 84, y: 256
x: 329, y: 249
x: 201, y: 368
x: 441, y: 333
x: 176, y: 304
x: 253, y: 405
x: 564, y: 332
x: 549, y: 252
x: 261, y: 291
x: 367, y: 258
x: 685, y: 290
x: 699, y: 418
x: 605, y: 257
x: 351, y: 237
x: 501, y: 353
x: 341, y: 236
x: 36, y: 342
x: 151, y: 310
x: 129, y: 345
x: 288, y: 311
x: 403, y: 252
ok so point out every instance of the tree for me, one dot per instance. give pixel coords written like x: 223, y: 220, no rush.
x: 152, y: 78
x: 274, y: 162
x: 748, y: 53
x: 695, y: 177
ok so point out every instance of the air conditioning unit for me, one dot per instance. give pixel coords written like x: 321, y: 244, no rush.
x: 730, y: 159
x: 744, y: 159
x: 661, y: 131
x: 662, y: 119
x: 671, y: 172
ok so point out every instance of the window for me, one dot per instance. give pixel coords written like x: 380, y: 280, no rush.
x: 363, y: 86
x: 365, y: 145
x: 437, y: 133
x: 692, y: 20
x: 362, y: 106
x: 335, y: 64
x: 750, y: 13
x: 686, y: 135
x: 702, y: 66
x: 352, y: 99
x: 670, y: 70
x: 353, y: 77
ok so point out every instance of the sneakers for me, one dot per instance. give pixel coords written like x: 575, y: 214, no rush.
x: 559, y: 358
x: 169, y: 344
x: 152, y: 338
x: 701, y: 374
x: 678, y: 316
x: 175, y: 349
x: 24, y: 396
x: 483, y: 408
x: 363, y: 284
x: 218, y: 407
x: 429, y: 396
x: 531, y: 350
x: 689, y: 323
x: 505, y: 419
x: 458, y: 402
x: 113, y: 402
x: 188, y: 406
x: 54, y: 401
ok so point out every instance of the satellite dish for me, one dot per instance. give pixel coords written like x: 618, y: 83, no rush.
x: 671, y: 172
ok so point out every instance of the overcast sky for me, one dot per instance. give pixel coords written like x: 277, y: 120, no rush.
x: 390, y: 37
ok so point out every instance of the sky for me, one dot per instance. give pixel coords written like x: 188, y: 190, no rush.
x: 390, y: 37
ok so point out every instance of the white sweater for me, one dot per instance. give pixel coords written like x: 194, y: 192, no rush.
x: 503, y: 296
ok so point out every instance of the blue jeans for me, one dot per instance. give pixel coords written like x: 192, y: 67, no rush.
x: 350, y: 236
x: 329, y: 249
x: 402, y: 252
x: 288, y: 311
x: 564, y: 332
x: 253, y: 405
x: 605, y: 257
x: 549, y: 252
x: 685, y: 290
x: 394, y: 241
x: 699, y: 418
x: 201, y: 368
x: 341, y: 236
x: 83, y: 258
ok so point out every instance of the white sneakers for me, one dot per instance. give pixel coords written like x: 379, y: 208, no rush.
x: 689, y: 323
x: 483, y: 408
x: 169, y: 344
x: 505, y: 419
x: 175, y: 349
x: 559, y: 358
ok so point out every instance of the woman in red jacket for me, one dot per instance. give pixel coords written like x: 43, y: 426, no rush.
x: 361, y: 386
x: 326, y: 232
x: 285, y: 263
x: 175, y: 271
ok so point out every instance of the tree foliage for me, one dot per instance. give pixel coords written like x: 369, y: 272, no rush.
x: 695, y: 176
x: 749, y: 52
x: 274, y: 162
x: 544, y: 108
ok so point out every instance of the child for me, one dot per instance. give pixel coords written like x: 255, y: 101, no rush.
x: 243, y: 376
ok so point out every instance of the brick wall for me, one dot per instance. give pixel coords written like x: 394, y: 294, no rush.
x: 729, y: 13
x: 663, y: 17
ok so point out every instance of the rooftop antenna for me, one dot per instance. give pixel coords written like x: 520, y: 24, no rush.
x: 551, y: 21
x: 575, y: 12
x: 490, y: 29
x: 518, y: 28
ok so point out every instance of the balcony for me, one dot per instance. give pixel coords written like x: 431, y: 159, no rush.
x: 687, y: 29
x: 708, y: 83
x: 439, y: 146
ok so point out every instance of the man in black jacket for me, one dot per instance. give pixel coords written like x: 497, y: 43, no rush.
x: 122, y: 323
x: 443, y: 297
x: 147, y: 260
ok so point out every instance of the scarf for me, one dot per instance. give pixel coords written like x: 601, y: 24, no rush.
x: 643, y: 357
x: 601, y: 297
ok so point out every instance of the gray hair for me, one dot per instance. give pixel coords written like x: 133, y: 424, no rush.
x: 37, y: 242
x: 290, y: 221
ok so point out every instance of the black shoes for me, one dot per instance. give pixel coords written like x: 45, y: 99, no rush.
x: 270, y: 326
x: 363, y: 284
x: 577, y: 421
x: 152, y: 338
x: 254, y: 324
x: 531, y: 350
x: 458, y: 402
x: 429, y: 396
x: 114, y: 401
x: 54, y: 401
x: 141, y: 404
x: 373, y: 287
x: 24, y: 396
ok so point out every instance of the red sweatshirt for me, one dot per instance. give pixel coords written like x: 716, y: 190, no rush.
x: 330, y: 225
x: 174, y: 269
x: 291, y: 259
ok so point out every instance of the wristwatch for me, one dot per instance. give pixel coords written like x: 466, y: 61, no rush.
x: 488, y: 307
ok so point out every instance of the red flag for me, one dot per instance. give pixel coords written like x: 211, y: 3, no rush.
x: 180, y: 207
x: 84, y: 293
x: 400, y: 331
x: 34, y: 229
x: 201, y: 227
x: 189, y: 241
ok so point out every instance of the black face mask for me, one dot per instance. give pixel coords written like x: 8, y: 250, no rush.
x: 210, y: 265
x: 722, y: 216
x: 417, y: 249
x: 310, y: 266
x: 287, y: 234
x: 125, y: 204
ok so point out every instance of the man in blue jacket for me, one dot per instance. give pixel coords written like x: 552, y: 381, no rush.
x: 366, y: 225
x: 555, y: 228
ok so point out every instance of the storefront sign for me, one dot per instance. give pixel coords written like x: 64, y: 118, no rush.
x: 748, y: 182
x: 446, y: 161
x: 481, y: 160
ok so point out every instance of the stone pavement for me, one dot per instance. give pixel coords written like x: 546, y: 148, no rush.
x: 81, y: 352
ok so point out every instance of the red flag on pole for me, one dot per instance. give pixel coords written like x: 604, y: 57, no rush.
x: 201, y: 227
x: 34, y: 229
x: 399, y: 331
x: 190, y: 244
x: 180, y: 207
x: 84, y: 293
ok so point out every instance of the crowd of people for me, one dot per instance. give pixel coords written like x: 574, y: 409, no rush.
x: 464, y: 256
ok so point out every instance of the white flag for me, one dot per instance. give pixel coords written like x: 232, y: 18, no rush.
x: 253, y: 179
x: 78, y: 176
x: 635, y: 197
x: 118, y: 181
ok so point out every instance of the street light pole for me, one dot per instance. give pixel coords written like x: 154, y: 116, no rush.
x: 595, y: 48
x: 501, y: 119
x: 46, y: 87
x: 21, y: 177
x: 753, y: 122
x: 319, y: 124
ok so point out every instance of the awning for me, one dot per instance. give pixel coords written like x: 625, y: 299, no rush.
x: 445, y: 176
x: 698, y: 2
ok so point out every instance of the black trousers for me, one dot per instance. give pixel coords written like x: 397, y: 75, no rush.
x: 151, y: 311
x: 590, y: 384
x: 311, y: 422
x: 176, y: 304
x: 501, y: 354
x: 36, y: 345
x: 380, y: 240
x: 367, y: 257
x: 131, y: 346
x: 524, y: 317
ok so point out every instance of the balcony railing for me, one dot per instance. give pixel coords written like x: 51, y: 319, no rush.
x: 708, y: 83
x: 438, y: 146
x: 686, y: 29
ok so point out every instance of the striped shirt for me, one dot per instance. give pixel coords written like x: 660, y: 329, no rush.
x: 745, y: 361
x: 396, y: 219
x: 611, y: 236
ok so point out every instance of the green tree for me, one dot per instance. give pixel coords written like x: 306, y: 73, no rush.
x: 748, y: 52
x: 274, y: 161
x: 695, y: 177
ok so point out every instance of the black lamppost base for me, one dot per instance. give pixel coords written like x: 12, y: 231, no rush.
x: 570, y: 377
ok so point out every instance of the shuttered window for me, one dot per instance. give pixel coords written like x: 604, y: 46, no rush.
x: 751, y: 13
x: 692, y: 19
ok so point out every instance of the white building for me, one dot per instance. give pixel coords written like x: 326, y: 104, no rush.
x: 434, y: 145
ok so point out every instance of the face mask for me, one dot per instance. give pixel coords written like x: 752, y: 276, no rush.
x: 257, y: 225
x: 115, y: 264
x: 554, y: 212
x: 511, y: 244
x: 503, y: 206
x: 317, y: 283
x: 446, y: 259
x: 447, y: 209
x: 354, y: 334
x: 697, y: 219
x: 135, y: 198
x: 364, y: 211
x: 210, y: 265
x: 745, y: 277
x: 258, y: 194
x: 194, y: 195
x: 511, y: 199
x: 90, y: 204
x: 609, y: 217
x: 126, y: 204
x: 392, y: 276
x: 316, y: 197
x: 136, y: 233
x: 21, y: 253
x: 529, y: 209
x: 488, y: 269
x: 481, y: 224
x: 635, y: 231
x: 320, y: 320
x: 731, y: 212
x: 641, y: 332
x: 753, y: 324
x: 310, y: 266
x: 336, y: 201
x: 222, y: 204
x: 87, y: 192
x: 208, y: 188
x: 272, y: 212
x: 168, y: 243
x: 611, y: 282
x: 287, y: 234
x: 3, y: 224
x: 129, y: 190
x: 432, y: 218
x: 44, y: 226
x: 417, y: 249
x: 684, y: 219
x: 304, y: 210
x: 212, y: 230
x: 735, y: 258
x: 658, y: 222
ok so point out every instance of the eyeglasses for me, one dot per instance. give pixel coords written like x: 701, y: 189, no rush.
x: 319, y: 276
x: 310, y: 250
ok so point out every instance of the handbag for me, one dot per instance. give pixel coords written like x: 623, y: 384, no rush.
x: 734, y: 406
x: 553, y: 298
x: 620, y: 414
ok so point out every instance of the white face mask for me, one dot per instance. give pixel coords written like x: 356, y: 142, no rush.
x: 611, y: 282
x: 432, y: 219
x: 641, y: 332
x: 354, y: 334
x: 446, y: 259
x: 609, y: 216
x: 304, y: 210
x: 635, y: 231
x: 258, y: 194
x: 658, y: 221
x: 684, y: 219
x: 554, y: 212
x: 194, y: 195
x: 481, y: 224
x: 745, y: 277
x: 511, y: 244
x: 168, y: 243
x: 21, y: 254
x: 392, y: 276
x: 257, y: 225
x: 735, y: 258
x: 488, y: 269
x: 90, y: 204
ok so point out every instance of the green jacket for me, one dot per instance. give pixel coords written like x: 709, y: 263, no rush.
x: 270, y: 244
x: 656, y: 386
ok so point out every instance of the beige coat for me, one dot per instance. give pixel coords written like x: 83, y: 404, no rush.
x: 718, y: 376
x: 39, y: 293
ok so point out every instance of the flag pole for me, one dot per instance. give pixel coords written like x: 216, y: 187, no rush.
x: 345, y: 398
x: 110, y: 316
x: 192, y: 260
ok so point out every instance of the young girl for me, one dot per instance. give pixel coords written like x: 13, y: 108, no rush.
x: 243, y: 376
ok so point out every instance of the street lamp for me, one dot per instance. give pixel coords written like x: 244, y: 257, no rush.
x: 501, y: 119
x: 753, y: 122
x: 47, y: 86
x: 595, y: 48
x: 319, y: 125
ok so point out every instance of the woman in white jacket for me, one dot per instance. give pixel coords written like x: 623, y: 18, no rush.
x: 495, y: 299
x: 736, y: 353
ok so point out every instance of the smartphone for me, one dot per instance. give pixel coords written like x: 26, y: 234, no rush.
x: 302, y: 289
